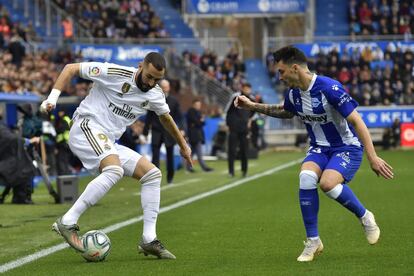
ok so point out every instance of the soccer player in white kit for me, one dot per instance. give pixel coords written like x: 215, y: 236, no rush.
x: 119, y: 95
x: 338, y: 137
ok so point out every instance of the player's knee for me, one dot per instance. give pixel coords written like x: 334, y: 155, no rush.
x: 153, y: 177
x: 113, y: 172
x: 327, y: 184
x: 308, y: 180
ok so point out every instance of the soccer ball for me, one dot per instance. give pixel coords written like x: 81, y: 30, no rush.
x: 97, y: 245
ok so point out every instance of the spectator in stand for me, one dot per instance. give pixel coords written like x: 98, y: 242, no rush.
x: 381, y: 17
x: 36, y: 73
x: 67, y: 26
x: 16, y: 49
x: 5, y: 27
x: 371, y: 76
x: 115, y: 18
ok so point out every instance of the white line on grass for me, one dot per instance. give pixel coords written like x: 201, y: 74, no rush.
x: 42, y: 253
x: 175, y: 185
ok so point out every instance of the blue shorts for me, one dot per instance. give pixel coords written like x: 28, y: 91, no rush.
x: 345, y: 160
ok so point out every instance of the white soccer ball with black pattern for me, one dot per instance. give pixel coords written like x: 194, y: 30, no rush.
x: 97, y: 246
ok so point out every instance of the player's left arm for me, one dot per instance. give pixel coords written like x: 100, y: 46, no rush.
x: 378, y: 165
x: 168, y: 123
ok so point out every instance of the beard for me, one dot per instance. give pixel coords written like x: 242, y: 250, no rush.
x: 141, y: 85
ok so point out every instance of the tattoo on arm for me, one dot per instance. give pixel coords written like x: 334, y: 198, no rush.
x: 273, y: 110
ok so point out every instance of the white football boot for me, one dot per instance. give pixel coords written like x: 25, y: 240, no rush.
x: 372, y: 231
x: 312, y: 249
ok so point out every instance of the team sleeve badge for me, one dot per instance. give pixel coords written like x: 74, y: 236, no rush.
x: 94, y: 71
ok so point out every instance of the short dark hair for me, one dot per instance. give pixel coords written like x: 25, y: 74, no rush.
x: 156, y: 59
x: 246, y: 84
x: 289, y: 55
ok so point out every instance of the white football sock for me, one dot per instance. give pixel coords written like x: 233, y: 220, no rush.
x: 95, y: 190
x: 150, y: 201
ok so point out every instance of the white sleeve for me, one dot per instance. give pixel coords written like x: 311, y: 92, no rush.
x: 94, y: 71
x: 158, y: 103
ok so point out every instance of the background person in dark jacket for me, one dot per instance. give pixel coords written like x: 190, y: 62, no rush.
x: 238, y: 122
x: 159, y: 135
x: 63, y: 156
x: 16, y: 167
x: 195, y: 133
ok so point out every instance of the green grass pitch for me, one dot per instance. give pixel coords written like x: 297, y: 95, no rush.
x: 252, y: 229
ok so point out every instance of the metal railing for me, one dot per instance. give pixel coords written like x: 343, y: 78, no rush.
x: 46, y: 14
x: 190, y: 75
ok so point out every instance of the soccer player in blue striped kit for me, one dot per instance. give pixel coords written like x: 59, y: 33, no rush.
x: 338, y: 137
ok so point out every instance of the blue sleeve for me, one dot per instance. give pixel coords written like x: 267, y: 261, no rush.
x: 287, y: 105
x: 26, y: 142
x: 340, y: 99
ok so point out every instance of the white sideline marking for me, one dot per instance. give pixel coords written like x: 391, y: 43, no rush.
x: 174, y: 185
x: 42, y: 253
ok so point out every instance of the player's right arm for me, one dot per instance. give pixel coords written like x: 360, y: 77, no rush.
x: 273, y: 110
x: 68, y: 72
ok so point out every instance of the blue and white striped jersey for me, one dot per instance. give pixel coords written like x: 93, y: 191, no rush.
x: 323, y: 108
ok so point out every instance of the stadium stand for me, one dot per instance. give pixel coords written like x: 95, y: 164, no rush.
x: 37, y: 72
x: 370, y: 76
x: 229, y: 70
x: 116, y: 19
x: 332, y: 23
x: 381, y: 17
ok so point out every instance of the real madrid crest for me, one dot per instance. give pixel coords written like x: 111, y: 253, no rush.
x: 125, y: 87
x: 145, y: 104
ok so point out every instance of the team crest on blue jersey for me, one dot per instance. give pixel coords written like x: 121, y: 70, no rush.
x: 125, y: 87
x: 335, y: 87
x: 315, y: 102
x: 297, y: 102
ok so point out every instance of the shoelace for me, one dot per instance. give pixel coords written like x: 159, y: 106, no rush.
x: 369, y: 225
x: 308, y: 251
x: 157, y: 243
x: 74, y: 227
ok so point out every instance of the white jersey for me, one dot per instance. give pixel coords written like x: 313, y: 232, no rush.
x: 114, y: 100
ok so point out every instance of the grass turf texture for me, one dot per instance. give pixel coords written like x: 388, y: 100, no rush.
x: 255, y: 228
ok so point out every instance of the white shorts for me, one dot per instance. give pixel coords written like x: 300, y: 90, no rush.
x: 91, y: 143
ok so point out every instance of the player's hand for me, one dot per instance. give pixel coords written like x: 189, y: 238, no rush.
x: 186, y: 154
x: 34, y: 140
x: 382, y: 168
x: 46, y: 106
x: 242, y: 102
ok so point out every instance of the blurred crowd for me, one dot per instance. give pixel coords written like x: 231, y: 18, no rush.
x: 382, y: 17
x: 115, y: 18
x: 13, y: 31
x: 371, y: 76
x: 36, y: 72
x: 229, y: 70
